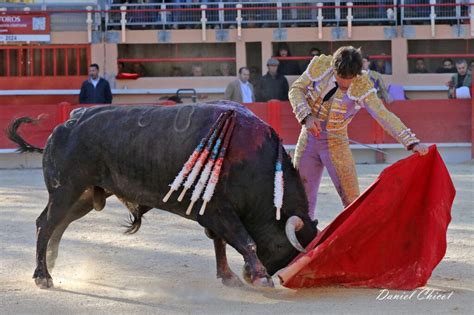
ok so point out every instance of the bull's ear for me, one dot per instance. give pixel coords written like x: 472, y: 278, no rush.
x: 294, y: 224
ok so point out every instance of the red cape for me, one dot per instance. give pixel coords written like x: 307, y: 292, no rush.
x: 392, y: 236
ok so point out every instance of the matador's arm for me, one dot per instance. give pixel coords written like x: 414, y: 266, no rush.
x: 389, y: 121
x: 297, y: 97
x: 317, y: 69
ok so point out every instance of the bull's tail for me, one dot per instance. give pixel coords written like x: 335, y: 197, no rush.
x: 134, y: 224
x: 12, y: 134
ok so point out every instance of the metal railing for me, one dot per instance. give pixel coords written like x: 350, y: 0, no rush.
x: 252, y: 13
x: 436, y: 10
x: 263, y: 13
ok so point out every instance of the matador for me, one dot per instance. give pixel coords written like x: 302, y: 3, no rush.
x: 325, y: 98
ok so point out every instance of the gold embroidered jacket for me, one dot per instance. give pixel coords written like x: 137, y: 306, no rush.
x: 305, y: 98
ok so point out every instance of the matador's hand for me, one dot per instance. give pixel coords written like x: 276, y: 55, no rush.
x: 420, y: 148
x: 313, y: 125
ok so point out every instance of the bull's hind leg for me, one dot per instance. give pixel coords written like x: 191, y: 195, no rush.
x: 60, y: 203
x: 224, y: 272
x: 227, y: 225
x: 82, y: 207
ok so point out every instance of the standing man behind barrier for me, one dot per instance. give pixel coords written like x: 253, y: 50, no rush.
x: 272, y: 86
x: 95, y: 90
x: 377, y: 80
x: 460, y: 79
x: 241, y: 90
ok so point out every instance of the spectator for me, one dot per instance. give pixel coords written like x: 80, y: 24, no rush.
x: 447, y: 67
x: 461, y: 78
x: 196, y: 71
x: 120, y: 67
x: 241, y: 90
x: 224, y: 70
x: 471, y: 65
x: 178, y: 16
x: 377, y: 80
x: 420, y: 66
x: 95, y: 90
x: 272, y: 85
x: 313, y: 52
x: 287, y: 67
x: 139, y: 69
x: 382, y: 66
x: 416, y: 11
x: 176, y: 72
x: 189, y: 16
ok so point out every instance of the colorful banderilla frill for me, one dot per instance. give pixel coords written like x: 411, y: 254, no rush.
x: 211, y: 186
x: 202, y: 158
x: 279, y: 182
x: 201, y: 184
x: 211, y: 152
x: 188, y: 166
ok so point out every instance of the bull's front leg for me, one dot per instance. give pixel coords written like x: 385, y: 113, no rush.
x: 254, y: 271
x: 224, y: 272
x: 227, y: 225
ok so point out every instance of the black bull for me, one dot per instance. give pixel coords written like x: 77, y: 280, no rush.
x: 135, y: 152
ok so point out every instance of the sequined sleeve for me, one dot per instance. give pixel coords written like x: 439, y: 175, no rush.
x: 389, y: 121
x: 297, y: 97
x: 317, y: 69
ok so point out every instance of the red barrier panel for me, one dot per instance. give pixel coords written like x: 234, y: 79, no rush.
x: 36, y: 135
x: 432, y: 120
x: 472, y: 122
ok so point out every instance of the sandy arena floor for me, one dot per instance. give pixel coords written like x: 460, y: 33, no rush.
x: 168, y: 266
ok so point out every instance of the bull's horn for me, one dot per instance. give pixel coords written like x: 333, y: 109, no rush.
x: 294, y: 224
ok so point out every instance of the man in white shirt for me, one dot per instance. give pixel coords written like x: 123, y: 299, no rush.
x: 240, y: 90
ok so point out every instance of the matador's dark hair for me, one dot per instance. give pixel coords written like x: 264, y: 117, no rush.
x: 347, y: 62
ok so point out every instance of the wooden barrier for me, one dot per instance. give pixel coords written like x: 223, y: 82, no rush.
x: 433, y: 121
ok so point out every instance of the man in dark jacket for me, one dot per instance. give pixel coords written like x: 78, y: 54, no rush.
x: 287, y: 67
x: 463, y: 77
x: 272, y: 85
x: 95, y: 90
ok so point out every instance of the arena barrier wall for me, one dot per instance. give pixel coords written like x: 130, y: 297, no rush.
x: 433, y: 121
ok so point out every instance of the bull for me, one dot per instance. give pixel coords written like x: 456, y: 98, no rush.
x: 134, y: 152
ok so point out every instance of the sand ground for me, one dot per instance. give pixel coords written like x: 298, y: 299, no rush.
x: 168, y: 266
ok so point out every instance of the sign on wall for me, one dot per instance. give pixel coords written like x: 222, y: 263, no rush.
x: 25, y: 28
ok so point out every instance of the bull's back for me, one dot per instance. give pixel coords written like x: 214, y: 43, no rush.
x: 136, y: 151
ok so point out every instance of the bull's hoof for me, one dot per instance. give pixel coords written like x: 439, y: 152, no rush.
x: 232, y: 281
x: 44, y: 283
x: 265, y: 282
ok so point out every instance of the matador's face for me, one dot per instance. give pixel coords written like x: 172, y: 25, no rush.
x: 343, y: 83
